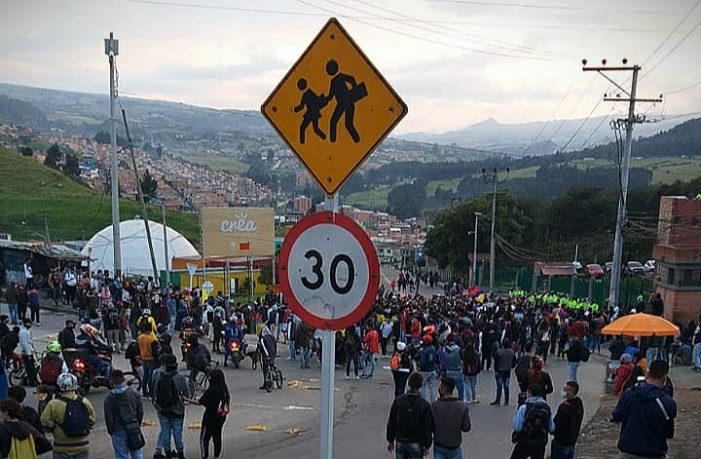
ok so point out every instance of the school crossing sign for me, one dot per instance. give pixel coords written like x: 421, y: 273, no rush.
x: 333, y: 107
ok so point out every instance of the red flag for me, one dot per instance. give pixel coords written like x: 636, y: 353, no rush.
x: 244, y: 246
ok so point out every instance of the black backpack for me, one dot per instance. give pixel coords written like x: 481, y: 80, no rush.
x: 166, y: 394
x: 132, y: 350
x: 76, y: 420
x: 536, y: 424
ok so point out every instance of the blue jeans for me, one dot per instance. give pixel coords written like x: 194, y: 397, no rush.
x: 368, y: 364
x: 13, y: 313
x: 696, y: 356
x: 408, y: 451
x: 121, y: 450
x: 293, y: 350
x: 170, y: 426
x: 428, y: 390
x: 558, y: 451
x: 573, y: 366
x: 459, y: 383
x: 147, y: 383
x: 445, y: 453
x: 305, y: 358
x: 470, y: 388
x: 502, y: 378
x: 102, y: 367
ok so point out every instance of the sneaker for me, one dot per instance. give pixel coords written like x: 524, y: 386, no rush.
x: 172, y: 454
x: 357, y: 377
x: 475, y: 401
x: 494, y: 403
x: 347, y: 377
x: 158, y: 455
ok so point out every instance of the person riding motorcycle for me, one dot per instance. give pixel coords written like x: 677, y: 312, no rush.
x: 198, y: 357
x: 188, y: 329
x: 90, y: 341
x: 52, y: 364
x: 233, y: 332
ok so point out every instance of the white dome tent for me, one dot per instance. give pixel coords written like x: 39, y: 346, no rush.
x: 136, y: 258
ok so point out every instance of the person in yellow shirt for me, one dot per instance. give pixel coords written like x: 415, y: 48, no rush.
x: 70, y: 418
x: 148, y: 351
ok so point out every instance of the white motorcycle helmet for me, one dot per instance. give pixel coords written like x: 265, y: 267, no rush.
x: 67, y: 382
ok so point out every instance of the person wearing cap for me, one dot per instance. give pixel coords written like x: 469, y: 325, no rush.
x: 428, y: 359
x: 400, y: 375
x: 53, y: 416
x: 646, y: 414
x: 623, y: 373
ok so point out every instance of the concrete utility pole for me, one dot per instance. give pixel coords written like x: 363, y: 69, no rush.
x: 112, y: 50
x: 474, y: 251
x: 614, y: 293
x: 165, y: 249
x: 493, y: 178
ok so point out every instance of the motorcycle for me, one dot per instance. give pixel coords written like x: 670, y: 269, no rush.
x: 86, y: 372
x: 236, y: 352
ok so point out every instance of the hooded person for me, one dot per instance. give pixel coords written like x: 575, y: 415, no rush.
x: 623, y: 373
x: 451, y: 364
x: 19, y: 437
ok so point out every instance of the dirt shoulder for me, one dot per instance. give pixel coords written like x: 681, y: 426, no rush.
x: 600, y: 436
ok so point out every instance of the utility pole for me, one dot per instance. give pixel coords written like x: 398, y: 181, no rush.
x: 614, y: 291
x: 493, y: 178
x: 165, y: 247
x: 140, y: 194
x: 474, y: 251
x: 46, y: 229
x: 112, y: 50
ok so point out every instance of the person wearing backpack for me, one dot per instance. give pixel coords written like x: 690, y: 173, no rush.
x: 351, y: 346
x: 170, y: 388
x: 471, y: 368
x: 70, y: 418
x: 427, y: 366
x: 18, y: 439
x: 532, y: 424
x: 124, y: 412
x: 52, y: 364
x: 400, y: 365
x: 112, y: 325
x: 453, y: 364
x: 216, y: 400
x: 576, y: 354
x: 409, y: 430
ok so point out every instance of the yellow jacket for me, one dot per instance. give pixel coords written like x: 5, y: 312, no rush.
x: 52, y: 418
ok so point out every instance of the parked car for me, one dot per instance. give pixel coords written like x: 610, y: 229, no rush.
x: 635, y: 268
x: 608, y: 266
x: 594, y: 270
x: 649, y: 266
x: 577, y: 266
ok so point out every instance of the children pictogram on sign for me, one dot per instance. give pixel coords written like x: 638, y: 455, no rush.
x: 344, y: 90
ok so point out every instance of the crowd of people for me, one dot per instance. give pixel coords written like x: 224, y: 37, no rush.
x: 440, y: 346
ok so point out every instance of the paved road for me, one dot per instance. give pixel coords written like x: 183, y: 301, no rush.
x: 361, y: 409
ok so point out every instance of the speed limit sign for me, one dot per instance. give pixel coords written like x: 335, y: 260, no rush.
x: 329, y: 271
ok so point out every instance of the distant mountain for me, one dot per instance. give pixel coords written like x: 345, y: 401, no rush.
x: 83, y: 113
x: 539, y: 137
x: 21, y: 113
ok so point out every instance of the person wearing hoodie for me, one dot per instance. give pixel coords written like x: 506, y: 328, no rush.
x: 646, y: 414
x: 12, y: 428
x: 452, y: 365
x: 169, y: 388
x: 623, y: 373
x: 124, y: 412
x: 451, y: 418
x: 568, y: 422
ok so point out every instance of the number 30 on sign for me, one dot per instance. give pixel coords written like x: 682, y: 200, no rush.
x: 329, y: 271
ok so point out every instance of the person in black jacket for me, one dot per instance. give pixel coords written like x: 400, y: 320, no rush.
x: 568, y: 422
x: 124, y: 412
x: 410, y: 423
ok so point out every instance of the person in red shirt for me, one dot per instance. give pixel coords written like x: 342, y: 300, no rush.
x: 415, y: 330
x: 371, y: 348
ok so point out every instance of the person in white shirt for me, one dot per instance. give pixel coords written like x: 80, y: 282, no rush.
x: 28, y: 274
x: 26, y: 348
x: 385, y: 334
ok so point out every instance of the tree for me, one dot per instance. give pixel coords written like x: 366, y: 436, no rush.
x: 72, y: 166
x: 26, y: 151
x: 53, y: 157
x: 406, y: 201
x: 266, y: 275
x: 149, y: 186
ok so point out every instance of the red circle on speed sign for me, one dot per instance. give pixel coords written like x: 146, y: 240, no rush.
x: 329, y: 271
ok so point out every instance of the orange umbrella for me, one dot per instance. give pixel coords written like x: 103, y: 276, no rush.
x: 641, y: 324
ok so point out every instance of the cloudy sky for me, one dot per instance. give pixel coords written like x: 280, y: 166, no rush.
x: 455, y: 62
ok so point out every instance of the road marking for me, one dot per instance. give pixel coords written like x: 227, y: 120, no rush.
x: 298, y: 408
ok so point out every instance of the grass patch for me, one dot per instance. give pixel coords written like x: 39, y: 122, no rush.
x: 31, y: 193
x: 445, y: 184
x: 370, y: 199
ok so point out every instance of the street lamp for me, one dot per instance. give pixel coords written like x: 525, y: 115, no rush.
x: 474, y: 252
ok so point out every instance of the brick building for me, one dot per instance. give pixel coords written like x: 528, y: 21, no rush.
x: 678, y: 257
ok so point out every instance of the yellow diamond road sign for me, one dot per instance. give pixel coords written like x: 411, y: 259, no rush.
x: 333, y: 107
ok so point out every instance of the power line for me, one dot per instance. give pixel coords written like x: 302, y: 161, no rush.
x: 418, y: 37
x: 674, y: 48
x: 455, y: 32
x: 671, y: 33
x: 685, y: 88
x: 508, y: 4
